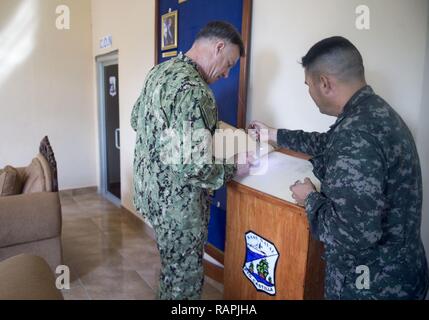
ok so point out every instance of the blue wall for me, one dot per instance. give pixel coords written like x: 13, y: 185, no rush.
x: 194, y: 15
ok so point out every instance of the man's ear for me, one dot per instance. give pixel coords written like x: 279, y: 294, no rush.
x: 220, y: 46
x: 325, y: 84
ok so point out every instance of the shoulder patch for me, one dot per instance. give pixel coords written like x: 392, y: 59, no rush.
x: 209, y: 112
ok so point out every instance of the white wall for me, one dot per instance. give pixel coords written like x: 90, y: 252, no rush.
x: 284, y: 30
x: 131, y: 24
x: 46, y: 87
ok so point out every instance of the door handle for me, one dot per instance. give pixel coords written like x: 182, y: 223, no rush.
x: 117, y: 143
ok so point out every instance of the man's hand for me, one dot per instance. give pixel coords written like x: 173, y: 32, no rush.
x: 300, y: 191
x: 243, y: 162
x: 255, y: 129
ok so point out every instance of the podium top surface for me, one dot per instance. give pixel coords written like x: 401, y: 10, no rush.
x: 276, y: 173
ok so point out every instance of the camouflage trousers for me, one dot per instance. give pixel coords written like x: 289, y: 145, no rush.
x: 181, y: 251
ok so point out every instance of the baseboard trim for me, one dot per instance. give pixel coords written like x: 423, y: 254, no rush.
x: 140, y: 221
x: 215, y: 253
x: 79, y: 191
x: 213, y: 271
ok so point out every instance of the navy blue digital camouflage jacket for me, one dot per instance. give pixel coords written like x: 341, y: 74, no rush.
x: 368, y: 212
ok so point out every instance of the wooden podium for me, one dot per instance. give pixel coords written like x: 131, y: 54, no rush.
x: 269, y: 253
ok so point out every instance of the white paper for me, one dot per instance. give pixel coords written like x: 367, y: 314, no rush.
x: 277, y: 173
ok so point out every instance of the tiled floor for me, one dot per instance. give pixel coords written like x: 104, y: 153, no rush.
x: 109, y: 253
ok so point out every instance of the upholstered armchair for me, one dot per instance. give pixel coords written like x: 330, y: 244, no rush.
x: 30, y: 209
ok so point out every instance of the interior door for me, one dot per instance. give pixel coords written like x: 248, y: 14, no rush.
x: 112, y: 131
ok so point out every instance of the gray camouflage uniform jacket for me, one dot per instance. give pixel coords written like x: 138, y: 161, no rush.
x: 368, y: 212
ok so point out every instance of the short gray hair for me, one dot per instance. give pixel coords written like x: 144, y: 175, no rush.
x: 222, y: 30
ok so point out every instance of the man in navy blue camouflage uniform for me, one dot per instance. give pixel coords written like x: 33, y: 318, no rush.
x: 368, y: 212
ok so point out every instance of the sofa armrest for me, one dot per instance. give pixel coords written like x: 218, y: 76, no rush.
x: 29, y: 217
x: 27, y: 277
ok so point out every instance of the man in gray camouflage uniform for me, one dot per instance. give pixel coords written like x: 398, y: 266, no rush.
x: 174, y: 196
x: 368, y: 212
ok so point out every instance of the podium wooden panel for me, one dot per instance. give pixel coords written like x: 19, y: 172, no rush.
x: 300, y: 269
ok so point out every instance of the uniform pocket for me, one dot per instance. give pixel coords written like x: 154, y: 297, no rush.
x: 334, y: 283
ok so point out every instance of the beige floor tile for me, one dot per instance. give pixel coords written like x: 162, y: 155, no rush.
x: 82, y: 214
x: 77, y: 256
x: 83, y: 191
x: 126, y: 241
x: 79, y: 228
x: 76, y: 292
x: 106, y: 294
x: 110, y: 255
x: 116, y: 283
x: 117, y: 224
x: 93, y: 263
x: 137, y: 247
x: 94, y: 202
x: 210, y: 292
x: 67, y: 201
x: 151, y: 264
x: 150, y: 274
x: 214, y: 283
x: 70, y: 209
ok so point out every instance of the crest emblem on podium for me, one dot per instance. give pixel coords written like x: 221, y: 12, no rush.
x: 261, y: 262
